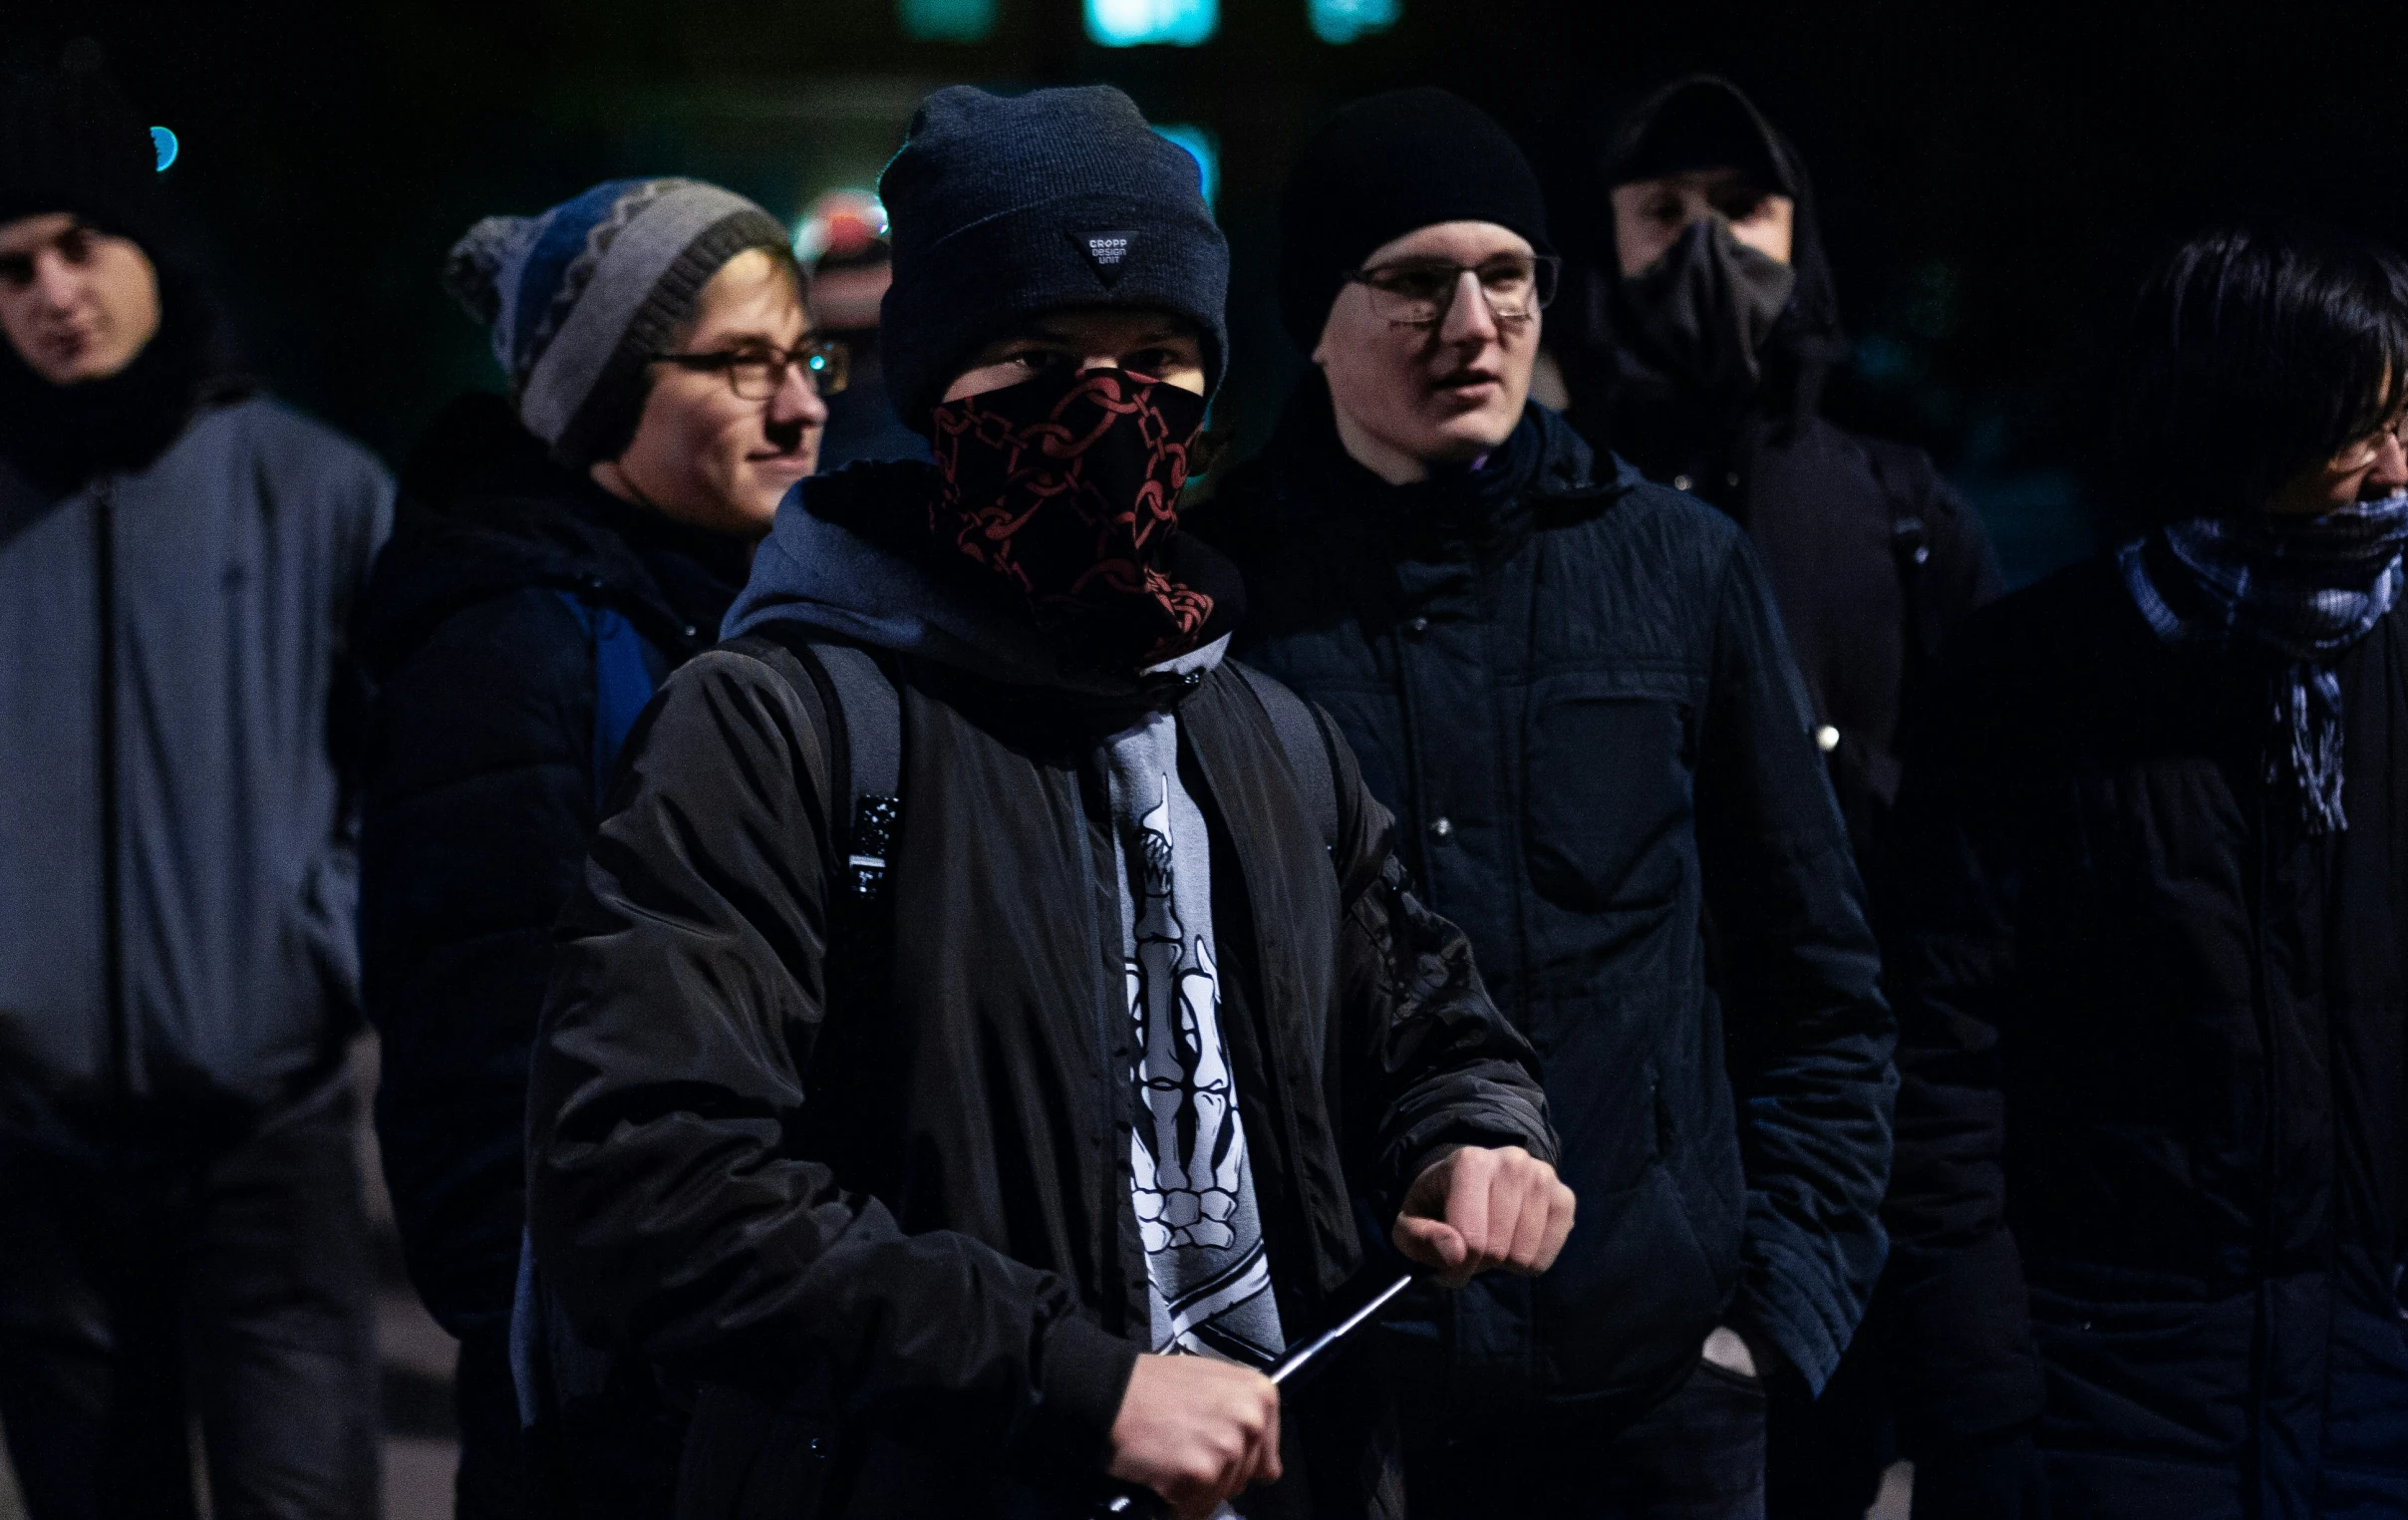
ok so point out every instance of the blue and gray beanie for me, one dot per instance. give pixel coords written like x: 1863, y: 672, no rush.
x: 1005, y: 207
x: 582, y: 295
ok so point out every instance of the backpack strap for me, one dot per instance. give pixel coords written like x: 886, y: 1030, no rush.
x: 1312, y: 754
x: 622, y: 682
x: 864, y: 706
x: 1902, y: 473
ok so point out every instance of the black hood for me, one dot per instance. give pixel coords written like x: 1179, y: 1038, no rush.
x: 1695, y: 123
x: 483, y: 509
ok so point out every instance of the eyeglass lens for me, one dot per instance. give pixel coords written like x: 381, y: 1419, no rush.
x: 1418, y: 294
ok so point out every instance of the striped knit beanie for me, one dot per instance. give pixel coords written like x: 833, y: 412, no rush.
x: 582, y: 295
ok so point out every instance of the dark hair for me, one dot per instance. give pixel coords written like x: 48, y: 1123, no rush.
x: 2254, y: 353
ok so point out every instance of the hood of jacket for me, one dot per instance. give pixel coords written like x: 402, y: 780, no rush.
x: 1806, y: 342
x: 842, y: 562
x: 483, y: 509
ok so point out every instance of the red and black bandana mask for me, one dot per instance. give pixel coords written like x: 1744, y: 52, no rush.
x: 1067, y: 487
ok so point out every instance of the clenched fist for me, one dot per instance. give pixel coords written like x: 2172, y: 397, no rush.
x: 1479, y: 1209
x: 1196, y: 1432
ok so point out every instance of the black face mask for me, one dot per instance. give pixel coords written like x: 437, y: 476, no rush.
x: 1707, y: 307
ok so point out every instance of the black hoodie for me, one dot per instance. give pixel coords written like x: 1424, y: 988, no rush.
x: 1871, y: 554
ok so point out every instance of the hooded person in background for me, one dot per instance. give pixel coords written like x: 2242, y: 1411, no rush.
x: 180, y: 1229
x: 973, y: 1144
x: 557, y: 553
x: 2151, y: 1204
x: 1699, y: 352
x: 1572, y: 689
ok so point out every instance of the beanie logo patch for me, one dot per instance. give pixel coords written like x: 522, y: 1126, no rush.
x: 1107, y: 252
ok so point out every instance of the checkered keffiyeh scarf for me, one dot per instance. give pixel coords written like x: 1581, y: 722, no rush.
x: 2306, y: 588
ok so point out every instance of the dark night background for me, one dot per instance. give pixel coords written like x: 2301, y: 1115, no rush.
x: 1990, y: 173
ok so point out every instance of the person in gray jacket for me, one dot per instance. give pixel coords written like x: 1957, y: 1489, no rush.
x: 180, y: 1229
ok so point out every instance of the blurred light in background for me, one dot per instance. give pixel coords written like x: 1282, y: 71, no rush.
x: 946, y: 20
x: 842, y: 222
x: 1128, y: 23
x: 163, y: 147
x: 1202, y: 147
x: 1342, y: 21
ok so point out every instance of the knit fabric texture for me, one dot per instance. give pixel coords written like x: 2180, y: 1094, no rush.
x: 70, y: 142
x: 582, y: 295
x: 1003, y: 209
x: 1386, y: 166
x: 2304, y: 588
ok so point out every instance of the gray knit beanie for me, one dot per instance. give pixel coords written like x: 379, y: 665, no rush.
x: 582, y: 295
x: 1002, y: 208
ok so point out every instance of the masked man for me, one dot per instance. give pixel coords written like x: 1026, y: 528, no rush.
x: 1699, y: 352
x: 2151, y: 1193
x: 181, y: 1240
x: 1574, y: 689
x: 974, y: 1136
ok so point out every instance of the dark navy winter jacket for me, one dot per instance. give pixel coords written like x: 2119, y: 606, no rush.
x: 1574, y: 689
x: 2152, y: 1187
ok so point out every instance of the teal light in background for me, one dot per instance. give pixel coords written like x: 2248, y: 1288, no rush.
x: 1342, y: 21
x: 1128, y: 23
x: 946, y: 20
x: 163, y: 147
x: 1202, y: 147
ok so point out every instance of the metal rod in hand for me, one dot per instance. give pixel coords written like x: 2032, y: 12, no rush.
x: 1146, y: 1502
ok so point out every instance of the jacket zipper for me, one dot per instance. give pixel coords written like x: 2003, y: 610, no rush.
x: 113, y: 928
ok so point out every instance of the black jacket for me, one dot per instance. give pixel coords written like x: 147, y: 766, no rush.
x: 891, y: 1233
x: 481, y: 799
x: 2153, y: 1136
x: 1872, y: 555
x: 1572, y: 689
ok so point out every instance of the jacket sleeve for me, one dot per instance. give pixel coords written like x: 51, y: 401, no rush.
x: 675, y: 1208
x: 1809, y: 1036
x: 1969, y: 1365
x: 479, y: 798
x: 1433, y: 1066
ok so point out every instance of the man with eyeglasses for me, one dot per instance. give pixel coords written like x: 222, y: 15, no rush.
x: 1572, y: 689
x: 557, y: 553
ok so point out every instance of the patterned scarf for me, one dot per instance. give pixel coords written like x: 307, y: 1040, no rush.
x: 1067, y: 486
x: 2306, y: 588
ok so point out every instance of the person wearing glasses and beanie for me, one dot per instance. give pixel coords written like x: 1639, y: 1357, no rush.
x: 1572, y: 689
x: 2150, y: 1203
x: 973, y: 1140
x: 558, y: 551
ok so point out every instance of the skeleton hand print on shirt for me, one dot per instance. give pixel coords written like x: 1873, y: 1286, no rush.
x: 1190, y: 1147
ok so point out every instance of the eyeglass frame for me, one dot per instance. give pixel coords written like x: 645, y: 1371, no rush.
x: 835, y: 351
x: 1546, y: 270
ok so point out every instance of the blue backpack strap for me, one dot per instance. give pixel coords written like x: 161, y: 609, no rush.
x: 622, y: 682
x: 1311, y: 752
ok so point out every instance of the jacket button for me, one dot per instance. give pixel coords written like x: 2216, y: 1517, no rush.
x: 687, y: 630
x: 1680, y: 483
x: 1826, y: 738
x: 1192, y: 679
x: 1922, y: 554
x: 1442, y: 828
x: 1732, y: 478
x: 1416, y: 626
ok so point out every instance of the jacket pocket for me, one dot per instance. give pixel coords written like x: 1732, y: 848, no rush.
x: 748, y: 1459
x: 1631, y: 1298
x: 1607, y: 794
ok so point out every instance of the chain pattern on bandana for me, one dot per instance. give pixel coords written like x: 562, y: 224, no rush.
x: 1067, y: 487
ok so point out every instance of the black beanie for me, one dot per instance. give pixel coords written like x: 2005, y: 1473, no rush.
x: 1386, y: 166
x: 1002, y: 208
x: 70, y: 142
